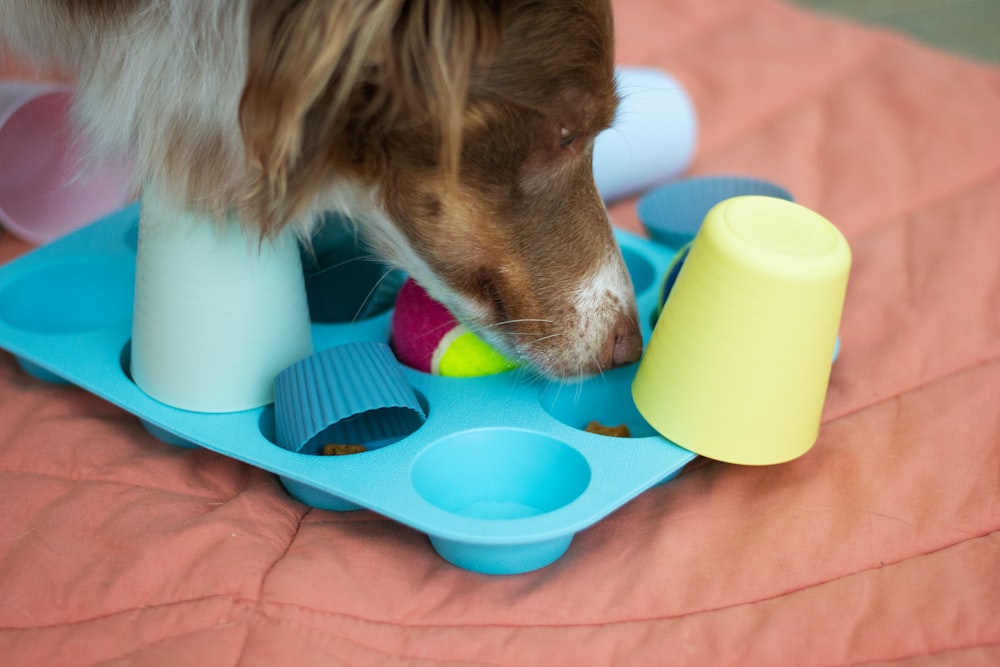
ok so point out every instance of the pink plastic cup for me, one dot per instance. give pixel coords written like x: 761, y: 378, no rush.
x: 48, y: 187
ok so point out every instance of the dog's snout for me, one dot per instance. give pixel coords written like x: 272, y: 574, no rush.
x: 585, y: 328
x: 624, y: 345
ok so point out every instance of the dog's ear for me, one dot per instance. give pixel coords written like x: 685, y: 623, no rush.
x: 437, y: 49
x: 334, y: 66
x: 295, y: 47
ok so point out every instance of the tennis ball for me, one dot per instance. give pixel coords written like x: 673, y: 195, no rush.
x: 427, y: 337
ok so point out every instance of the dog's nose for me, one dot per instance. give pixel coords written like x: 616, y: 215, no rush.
x: 625, y: 343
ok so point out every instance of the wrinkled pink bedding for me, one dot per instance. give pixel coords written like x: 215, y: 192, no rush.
x: 880, y: 545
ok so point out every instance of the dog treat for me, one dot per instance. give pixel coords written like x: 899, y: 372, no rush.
x: 337, y: 449
x: 620, y: 431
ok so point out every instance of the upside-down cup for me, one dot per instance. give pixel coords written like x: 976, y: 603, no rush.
x: 219, y: 312
x: 49, y: 184
x: 352, y: 394
x: 738, y: 364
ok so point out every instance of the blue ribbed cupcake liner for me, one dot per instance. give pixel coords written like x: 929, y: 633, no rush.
x: 672, y: 214
x: 349, y: 394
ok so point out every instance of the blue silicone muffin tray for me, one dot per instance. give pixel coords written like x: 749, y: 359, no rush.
x: 500, y: 475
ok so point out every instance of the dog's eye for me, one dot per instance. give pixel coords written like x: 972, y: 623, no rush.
x: 566, y: 137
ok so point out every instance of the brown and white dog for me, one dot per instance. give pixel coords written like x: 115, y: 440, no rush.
x: 458, y: 134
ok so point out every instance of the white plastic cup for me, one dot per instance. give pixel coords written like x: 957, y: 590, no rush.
x: 218, y: 312
x: 652, y: 139
x: 49, y: 186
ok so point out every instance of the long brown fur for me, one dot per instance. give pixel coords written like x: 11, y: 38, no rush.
x: 459, y: 135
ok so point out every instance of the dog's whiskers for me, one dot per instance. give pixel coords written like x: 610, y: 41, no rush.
x: 349, y: 260
x: 523, y: 319
x: 542, y: 339
x: 371, y: 292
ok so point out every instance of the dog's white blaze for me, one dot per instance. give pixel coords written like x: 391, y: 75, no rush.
x: 600, y: 301
x: 607, y: 280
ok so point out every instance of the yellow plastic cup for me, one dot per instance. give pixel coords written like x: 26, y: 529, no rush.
x: 738, y: 365
x: 218, y: 311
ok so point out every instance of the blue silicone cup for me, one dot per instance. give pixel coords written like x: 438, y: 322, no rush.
x: 672, y: 214
x: 670, y: 277
x: 353, y: 394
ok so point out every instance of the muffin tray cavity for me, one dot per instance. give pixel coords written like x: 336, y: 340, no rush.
x: 498, y: 471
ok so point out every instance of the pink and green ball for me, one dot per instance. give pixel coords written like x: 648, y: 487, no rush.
x: 428, y: 338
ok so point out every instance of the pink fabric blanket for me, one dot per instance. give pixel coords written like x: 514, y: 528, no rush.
x: 880, y: 545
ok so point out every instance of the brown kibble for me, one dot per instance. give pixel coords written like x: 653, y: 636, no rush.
x: 335, y: 449
x: 620, y: 431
